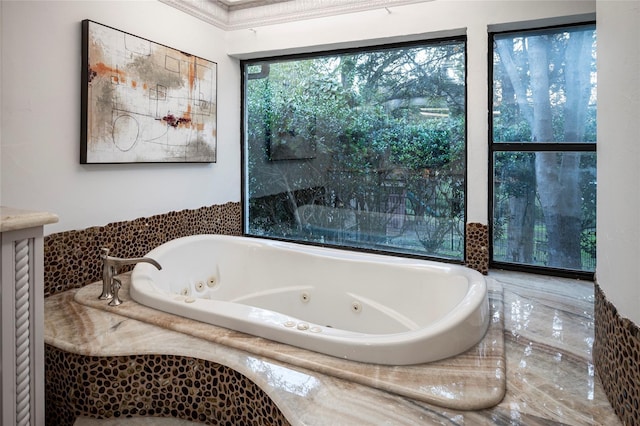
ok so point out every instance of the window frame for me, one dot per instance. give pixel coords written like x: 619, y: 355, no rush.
x: 527, y: 147
x: 320, y: 53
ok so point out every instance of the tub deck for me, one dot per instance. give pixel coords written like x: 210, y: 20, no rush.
x: 478, y: 374
x: 549, y: 371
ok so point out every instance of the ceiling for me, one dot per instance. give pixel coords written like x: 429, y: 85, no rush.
x: 241, y: 4
x: 239, y: 14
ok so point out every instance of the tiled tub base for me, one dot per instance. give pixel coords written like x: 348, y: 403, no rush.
x: 134, y: 421
x: 477, y: 247
x: 152, y: 385
x: 72, y: 258
x: 616, y: 355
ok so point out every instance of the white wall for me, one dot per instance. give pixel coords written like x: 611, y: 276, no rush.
x: 416, y: 21
x: 41, y: 97
x: 618, y: 24
x: 40, y: 113
x: 40, y: 131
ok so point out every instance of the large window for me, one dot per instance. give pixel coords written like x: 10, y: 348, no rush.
x: 363, y: 148
x: 543, y: 145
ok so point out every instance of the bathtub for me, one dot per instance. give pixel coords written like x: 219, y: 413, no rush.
x: 357, y: 306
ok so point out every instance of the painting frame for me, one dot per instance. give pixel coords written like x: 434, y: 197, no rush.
x: 144, y: 102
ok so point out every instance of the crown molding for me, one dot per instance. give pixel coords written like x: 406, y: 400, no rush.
x: 206, y: 11
x: 268, y: 12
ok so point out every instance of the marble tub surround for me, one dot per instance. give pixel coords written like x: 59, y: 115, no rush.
x: 548, y: 334
x: 72, y: 258
x: 304, y: 397
x: 470, y: 381
x: 134, y: 421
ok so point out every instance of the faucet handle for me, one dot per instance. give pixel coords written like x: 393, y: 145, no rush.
x: 115, y: 289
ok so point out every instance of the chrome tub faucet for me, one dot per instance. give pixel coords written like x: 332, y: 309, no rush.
x: 111, y: 266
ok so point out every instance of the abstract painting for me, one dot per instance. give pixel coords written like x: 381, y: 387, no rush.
x: 143, y: 102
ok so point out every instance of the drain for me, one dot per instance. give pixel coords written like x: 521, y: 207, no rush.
x: 304, y: 296
x: 356, y: 307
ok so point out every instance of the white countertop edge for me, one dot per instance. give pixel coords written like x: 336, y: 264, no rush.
x: 13, y: 219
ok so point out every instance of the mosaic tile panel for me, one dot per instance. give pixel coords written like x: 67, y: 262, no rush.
x: 71, y: 258
x: 152, y: 385
x: 477, y: 247
x: 616, y: 355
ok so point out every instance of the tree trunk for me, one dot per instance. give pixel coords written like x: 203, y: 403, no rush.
x: 557, y: 174
x: 521, y: 204
x: 520, y: 231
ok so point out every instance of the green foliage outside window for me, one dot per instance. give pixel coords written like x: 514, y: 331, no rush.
x: 361, y: 149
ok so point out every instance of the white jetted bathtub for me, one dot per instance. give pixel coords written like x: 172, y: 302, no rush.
x: 357, y: 306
